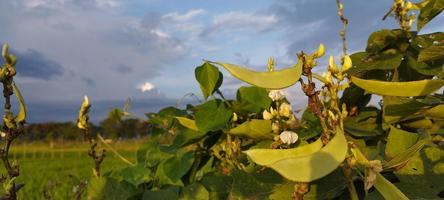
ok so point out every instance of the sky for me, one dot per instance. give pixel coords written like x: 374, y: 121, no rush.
x: 146, y: 50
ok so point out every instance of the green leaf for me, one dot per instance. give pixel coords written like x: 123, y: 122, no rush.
x: 315, y: 165
x: 366, y: 124
x: 423, y: 175
x: 246, y: 186
x: 105, y: 188
x: 169, y: 193
x: 209, y: 78
x: 436, y: 112
x: 22, y: 113
x: 151, y: 154
x: 267, y: 157
x: 212, y: 115
x: 188, y: 123
x: 403, y: 89
x: 136, y: 175
x: 218, y: 186
x: 311, y: 126
x: 277, y: 79
x: 429, y: 11
x: 387, y: 189
x: 422, y: 67
x: 255, y: 129
x: 399, y: 141
x: 185, y: 137
x: 399, y: 108
x: 405, y: 156
x: 254, y: 98
x: 382, y: 39
x: 195, y: 191
x: 329, y: 187
x: 363, y: 61
x: 172, y: 170
x: 431, y: 53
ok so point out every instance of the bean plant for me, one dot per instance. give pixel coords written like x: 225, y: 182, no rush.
x: 255, y: 146
x: 341, y: 147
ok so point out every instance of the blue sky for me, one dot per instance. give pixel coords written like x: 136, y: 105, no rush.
x: 110, y: 49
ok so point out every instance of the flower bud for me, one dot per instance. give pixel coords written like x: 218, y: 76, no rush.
x: 321, y: 51
x: 270, y: 65
x: 275, y: 127
x: 288, y: 137
x: 234, y: 118
x: 285, y: 110
x: 83, y: 114
x: 275, y: 95
x: 347, y: 63
x: 266, y: 115
x: 332, y: 67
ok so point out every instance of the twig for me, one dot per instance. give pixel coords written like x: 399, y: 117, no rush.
x: 114, y: 151
x: 344, y: 25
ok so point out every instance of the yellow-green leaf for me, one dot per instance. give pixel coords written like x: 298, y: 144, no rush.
x: 399, y: 141
x: 402, y: 89
x: 314, y: 166
x: 255, y: 129
x: 405, y: 156
x: 189, y: 123
x: 387, y: 189
x: 436, y: 112
x: 22, y: 113
x: 277, y: 79
x: 269, y: 156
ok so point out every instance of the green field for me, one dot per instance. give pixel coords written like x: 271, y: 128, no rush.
x: 57, y: 170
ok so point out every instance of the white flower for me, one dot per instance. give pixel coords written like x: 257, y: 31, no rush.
x: 288, y: 137
x: 374, y: 167
x: 285, y: 110
x: 266, y: 115
x: 275, y: 127
x: 276, y: 95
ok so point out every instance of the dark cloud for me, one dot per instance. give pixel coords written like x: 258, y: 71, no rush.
x: 68, y: 111
x: 33, y: 63
x: 310, y: 22
x: 122, y: 68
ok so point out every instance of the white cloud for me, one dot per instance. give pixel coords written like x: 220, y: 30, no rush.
x: 185, y: 17
x: 237, y: 21
x: 145, y: 87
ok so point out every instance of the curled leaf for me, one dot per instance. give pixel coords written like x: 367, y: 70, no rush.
x: 255, y: 129
x: 82, y: 121
x: 189, y: 123
x: 402, y: 89
x: 316, y: 165
x: 276, y: 79
x: 22, y: 113
x: 267, y: 157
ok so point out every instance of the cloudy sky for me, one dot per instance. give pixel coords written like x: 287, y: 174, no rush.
x: 147, y: 50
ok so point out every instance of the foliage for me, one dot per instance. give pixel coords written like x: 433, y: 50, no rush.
x: 254, y: 146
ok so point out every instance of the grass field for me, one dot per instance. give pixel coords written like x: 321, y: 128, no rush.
x: 43, y: 168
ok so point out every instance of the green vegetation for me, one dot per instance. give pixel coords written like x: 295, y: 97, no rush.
x: 254, y: 147
x: 58, y: 170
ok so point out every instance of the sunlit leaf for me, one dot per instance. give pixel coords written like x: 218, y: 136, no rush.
x: 316, y: 165
x: 209, y: 78
x: 387, y: 189
x: 22, y: 113
x: 255, y: 129
x: 403, y: 89
x: 267, y: 157
x: 399, y: 141
x: 429, y: 11
x: 277, y: 79
x: 431, y: 53
x: 189, y: 123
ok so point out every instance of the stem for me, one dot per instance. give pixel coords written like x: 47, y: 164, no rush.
x: 344, y: 25
x: 115, y: 152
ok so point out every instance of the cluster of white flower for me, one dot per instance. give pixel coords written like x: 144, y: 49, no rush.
x: 284, y: 111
